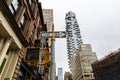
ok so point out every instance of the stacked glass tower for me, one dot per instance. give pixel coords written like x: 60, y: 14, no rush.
x: 72, y: 33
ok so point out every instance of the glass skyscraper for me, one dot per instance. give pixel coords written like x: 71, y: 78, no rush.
x: 72, y: 33
x: 60, y: 73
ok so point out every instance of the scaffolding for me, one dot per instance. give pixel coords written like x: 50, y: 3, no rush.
x: 108, y: 68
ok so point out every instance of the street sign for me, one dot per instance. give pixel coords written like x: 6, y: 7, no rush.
x: 58, y: 34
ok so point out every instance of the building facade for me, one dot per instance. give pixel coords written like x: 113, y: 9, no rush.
x: 108, y: 68
x: 67, y: 76
x: 48, y: 18
x: 72, y: 33
x: 81, y: 63
x: 20, y: 24
x: 60, y: 73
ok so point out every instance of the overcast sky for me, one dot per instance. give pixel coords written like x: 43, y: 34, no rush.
x: 99, y: 23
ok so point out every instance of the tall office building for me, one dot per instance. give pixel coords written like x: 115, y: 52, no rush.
x: 48, y: 18
x: 60, y: 73
x: 81, y: 63
x: 72, y: 33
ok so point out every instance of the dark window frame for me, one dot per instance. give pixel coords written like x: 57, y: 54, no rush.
x: 33, y: 30
x: 30, y: 2
x: 13, y: 8
x: 23, y: 21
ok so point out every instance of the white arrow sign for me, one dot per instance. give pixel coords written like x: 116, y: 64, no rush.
x: 58, y: 34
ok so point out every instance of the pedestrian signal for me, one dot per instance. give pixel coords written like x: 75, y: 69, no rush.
x: 32, y: 54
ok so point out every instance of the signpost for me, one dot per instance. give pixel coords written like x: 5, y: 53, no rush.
x: 32, y: 54
x: 53, y: 35
x: 58, y: 34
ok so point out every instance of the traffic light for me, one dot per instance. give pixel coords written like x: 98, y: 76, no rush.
x: 32, y: 54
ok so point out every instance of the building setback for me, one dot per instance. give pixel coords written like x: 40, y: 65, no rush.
x: 81, y: 63
x: 108, y: 68
x: 72, y: 34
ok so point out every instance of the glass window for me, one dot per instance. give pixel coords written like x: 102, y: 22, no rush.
x: 36, y: 16
x: 14, y: 6
x: 23, y: 19
x: 30, y: 2
x: 33, y: 31
x: 11, y: 9
x: 23, y: 22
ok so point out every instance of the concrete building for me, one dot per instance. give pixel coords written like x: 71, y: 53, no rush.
x: 72, y: 34
x: 48, y: 18
x: 108, y: 68
x: 67, y: 76
x: 60, y: 73
x: 81, y: 63
x: 20, y: 24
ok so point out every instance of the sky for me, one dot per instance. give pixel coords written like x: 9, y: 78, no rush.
x: 98, y: 20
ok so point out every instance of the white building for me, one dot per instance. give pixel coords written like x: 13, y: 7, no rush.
x: 72, y: 33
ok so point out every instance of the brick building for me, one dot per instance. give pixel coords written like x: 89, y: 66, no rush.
x: 20, y: 24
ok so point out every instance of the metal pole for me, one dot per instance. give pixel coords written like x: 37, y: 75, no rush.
x: 52, y: 63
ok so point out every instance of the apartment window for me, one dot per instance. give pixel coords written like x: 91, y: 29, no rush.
x: 33, y: 30
x: 36, y: 16
x: 2, y: 65
x: 14, y: 6
x: 30, y: 2
x: 23, y: 22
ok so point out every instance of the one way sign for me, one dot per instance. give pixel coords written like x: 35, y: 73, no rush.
x: 58, y: 34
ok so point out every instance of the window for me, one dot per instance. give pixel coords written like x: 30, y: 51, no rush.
x: 36, y: 16
x: 33, y: 30
x: 11, y: 9
x: 23, y: 22
x: 30, y: 2
x: 2, y: 65
x: 14, y: 6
